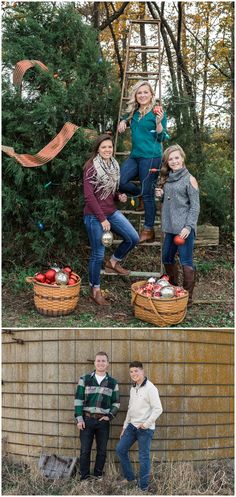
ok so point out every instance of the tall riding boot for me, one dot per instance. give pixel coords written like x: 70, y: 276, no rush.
x: 140, y: 206
x: 172, y: 272
x: 189, y: 274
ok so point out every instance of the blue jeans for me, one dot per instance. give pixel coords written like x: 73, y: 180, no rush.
x: 185, y: 251
x: 144, y: 438
x: 140, y: 167
x: 99, y: 430
x: 122, y: 227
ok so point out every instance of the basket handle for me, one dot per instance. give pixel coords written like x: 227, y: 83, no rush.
x: 165, y: 321
x: 29, y: 279
x: 156, y: 312
x: 133, y: 297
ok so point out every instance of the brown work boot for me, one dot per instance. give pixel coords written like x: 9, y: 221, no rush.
x: 140, y: 206
x: 189, y: 282
x: 147, y: 235
x: 109, y: 269
x: 97, y: 297
x: 172, y: 272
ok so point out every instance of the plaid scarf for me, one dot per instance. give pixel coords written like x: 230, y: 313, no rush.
x: 106, y: 177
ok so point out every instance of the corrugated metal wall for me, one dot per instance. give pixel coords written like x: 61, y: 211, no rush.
x: 193, y: 370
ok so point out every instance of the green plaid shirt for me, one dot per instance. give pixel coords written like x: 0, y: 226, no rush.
x: 95, y: 398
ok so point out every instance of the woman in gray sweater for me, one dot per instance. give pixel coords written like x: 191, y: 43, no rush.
x: 180, y: 196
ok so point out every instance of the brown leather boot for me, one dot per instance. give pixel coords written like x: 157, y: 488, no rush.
x: 97, y: 297
x: 140, y: 206
x: 116, y: 269
x: 189, y: 282
x: 172, y: 272
x: 147, y: 235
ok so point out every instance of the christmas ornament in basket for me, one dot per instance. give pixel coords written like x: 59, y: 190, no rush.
x: 162, y: 307
x: 52, y: 298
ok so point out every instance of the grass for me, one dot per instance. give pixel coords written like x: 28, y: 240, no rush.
x: 168, y: 478
x: 214, y: 282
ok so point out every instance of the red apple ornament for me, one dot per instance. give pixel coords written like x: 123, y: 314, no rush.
x: 157, y: 109
x: 40, y: 277
x: 50, y: 275
x: 178, y: 240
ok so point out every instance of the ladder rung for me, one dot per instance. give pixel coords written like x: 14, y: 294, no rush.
x: 146, y: 47
x: 147, y: 21
x: 151, y: 244
x: 123, y: 153
x: 141, y: 73
x: 134, y: 273
x: 144, y: 78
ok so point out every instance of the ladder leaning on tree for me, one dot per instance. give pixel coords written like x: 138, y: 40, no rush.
x: 145, y: 46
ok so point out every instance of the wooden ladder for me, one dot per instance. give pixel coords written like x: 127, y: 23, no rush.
x: 147, y: 67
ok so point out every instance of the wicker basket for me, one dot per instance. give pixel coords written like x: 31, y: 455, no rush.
x: 161, y: 312
x: 52, y: 300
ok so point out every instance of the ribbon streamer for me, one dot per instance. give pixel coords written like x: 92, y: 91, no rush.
x: 47, y: 153
x: 57, y: 144
x: 22, y: 67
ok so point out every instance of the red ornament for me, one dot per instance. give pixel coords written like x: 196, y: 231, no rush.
x: 67, y: 269
x: 50, y: 275
x: 178, y: 240
x: 73, y: 277
x: 40, y: 277
x: 48, y: 281
x: 56, y: 75
x: 157, y: 109
x: 71, y: 281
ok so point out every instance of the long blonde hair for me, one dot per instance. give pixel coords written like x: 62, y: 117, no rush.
x: 165, y: 169
x: 132, y: 104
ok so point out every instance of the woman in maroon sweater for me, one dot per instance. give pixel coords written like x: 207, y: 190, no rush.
x: 101, y: 183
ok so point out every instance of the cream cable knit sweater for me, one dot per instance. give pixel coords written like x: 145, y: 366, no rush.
x: 144, y: 406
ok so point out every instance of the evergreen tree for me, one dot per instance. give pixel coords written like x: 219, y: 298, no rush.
x: 42, y: 207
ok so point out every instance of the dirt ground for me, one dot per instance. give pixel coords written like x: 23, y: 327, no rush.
x: 214, y: 286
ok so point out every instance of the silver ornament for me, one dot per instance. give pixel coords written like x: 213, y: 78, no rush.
x: 167, y: 292
x: 107, y: 238
x: 163, y: 282
x: 152, y: 280
x: 61, y: 278
x: 56, y: 268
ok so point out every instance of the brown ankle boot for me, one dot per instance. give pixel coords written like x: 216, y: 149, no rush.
x: 147, y: 235
x: 109, y: 269
x: 172, y: 272
x: 97, y: 297
x: 140, y: 206
x: 189, y: 282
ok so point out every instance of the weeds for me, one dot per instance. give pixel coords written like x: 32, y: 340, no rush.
x: 168, y: 478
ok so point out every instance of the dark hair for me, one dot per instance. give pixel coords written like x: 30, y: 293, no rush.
x: 96, y: 145
x: 102, y: 353
x: 136, y: 364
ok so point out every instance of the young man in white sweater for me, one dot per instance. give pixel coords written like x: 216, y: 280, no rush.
x: 139, y: 425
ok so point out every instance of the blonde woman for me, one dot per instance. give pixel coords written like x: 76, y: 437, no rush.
x: 148, y: 132
x: 180, y: 209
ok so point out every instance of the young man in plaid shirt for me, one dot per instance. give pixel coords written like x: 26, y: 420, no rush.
x: 96, y: 404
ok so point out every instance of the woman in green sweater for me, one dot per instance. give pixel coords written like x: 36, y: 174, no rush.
x: 148, y: 132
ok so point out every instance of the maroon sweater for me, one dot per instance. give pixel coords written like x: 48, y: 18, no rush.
x: 93, y: 204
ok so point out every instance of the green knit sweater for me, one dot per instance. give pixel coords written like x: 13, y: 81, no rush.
x: 146, y: 142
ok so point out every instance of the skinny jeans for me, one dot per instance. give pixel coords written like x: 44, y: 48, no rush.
x: 122, y: 227
x: 140, y: 167
x: 144, y: 438
x: 185, y: 251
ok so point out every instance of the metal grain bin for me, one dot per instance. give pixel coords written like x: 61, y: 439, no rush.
x: 193, y: 370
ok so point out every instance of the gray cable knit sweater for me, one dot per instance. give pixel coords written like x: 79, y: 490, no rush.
x: 181, y: 204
